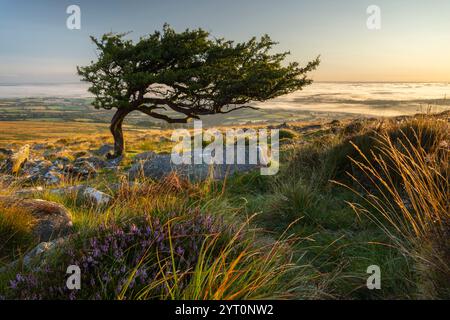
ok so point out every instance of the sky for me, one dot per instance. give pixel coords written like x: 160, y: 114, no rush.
x: 412, y: 45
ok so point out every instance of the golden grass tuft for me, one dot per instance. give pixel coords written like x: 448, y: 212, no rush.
x: 240, y: 270
x: 408, y: 198
x: 15, y: 231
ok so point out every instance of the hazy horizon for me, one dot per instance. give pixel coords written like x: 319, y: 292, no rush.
x: 370, y: 98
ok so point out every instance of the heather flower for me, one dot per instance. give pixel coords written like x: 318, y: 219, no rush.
x: 108, y: 259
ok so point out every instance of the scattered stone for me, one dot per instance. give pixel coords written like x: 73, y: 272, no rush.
x: 104, y: 150
x: 114, y: 163
x: 40, y: 146
x: 28, y: 192
x: 85, y: 194
x: 161, y: 165
x: 96, y: 197
x: 62, y: 160
x: 81, y: 170
x: 38, y: 167
x: 40, y: 250
x: 43, y: 171
x: 52, y: 177
x: 53, y: 219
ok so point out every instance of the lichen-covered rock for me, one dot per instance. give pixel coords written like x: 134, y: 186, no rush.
x: 37, y: 257
x: 52, y: 177
x: 80, y: 170
x: 104, y: 150
x: 17, y: 160
x: 161, y: 165
x: 97, y: 197
x: 41, y: 250
x: 43, y: 171
x: 37, y: 167
x: 114, y: 163
x: 86, y: 194
x: 52, y: 219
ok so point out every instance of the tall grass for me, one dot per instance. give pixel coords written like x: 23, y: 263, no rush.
x: 408, y: 197
x: 228, y: 264
x: 15, y: 232
x: 236, y: 269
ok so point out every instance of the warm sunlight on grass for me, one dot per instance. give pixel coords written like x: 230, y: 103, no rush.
x: 408, y: 197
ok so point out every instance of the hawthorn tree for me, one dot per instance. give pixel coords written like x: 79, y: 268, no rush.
x: 181, y: 76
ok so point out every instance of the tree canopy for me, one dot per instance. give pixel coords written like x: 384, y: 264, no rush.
x: 180, y: 76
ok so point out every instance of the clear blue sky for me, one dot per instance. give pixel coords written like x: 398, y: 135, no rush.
x: 412, y: 45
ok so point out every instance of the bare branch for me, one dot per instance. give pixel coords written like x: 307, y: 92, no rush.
x: 164, y: 117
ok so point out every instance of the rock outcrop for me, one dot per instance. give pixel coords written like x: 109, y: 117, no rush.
x: 17, y: 160
x: 104, y: 150
x: 161, y: 165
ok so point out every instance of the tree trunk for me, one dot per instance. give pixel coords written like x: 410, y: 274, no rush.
x: 116, y: 130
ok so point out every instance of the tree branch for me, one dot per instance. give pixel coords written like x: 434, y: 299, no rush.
x: 160, y: 116
x: 237, y: 108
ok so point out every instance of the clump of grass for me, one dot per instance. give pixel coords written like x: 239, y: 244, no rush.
x: 291, y: 201
x: 248, y: 183
x: 153, y: 144
x: 15, y: 232
x: 329, y: 157
x: 408, y: 171
x: 316, y: 161
x: 287, y: 134
x: 232, y: 270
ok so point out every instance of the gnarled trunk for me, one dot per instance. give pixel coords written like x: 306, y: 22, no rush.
x: 116, y: 130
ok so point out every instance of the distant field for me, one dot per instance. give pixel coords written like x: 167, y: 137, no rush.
x: 21, y: 132
x: 47, y: 119
x: 68, y: 110
x: 25, y: 131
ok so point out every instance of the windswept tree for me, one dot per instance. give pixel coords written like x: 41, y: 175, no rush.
x: 181, y: 76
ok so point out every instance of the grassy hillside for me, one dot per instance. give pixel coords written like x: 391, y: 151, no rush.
x: 349, y: 195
